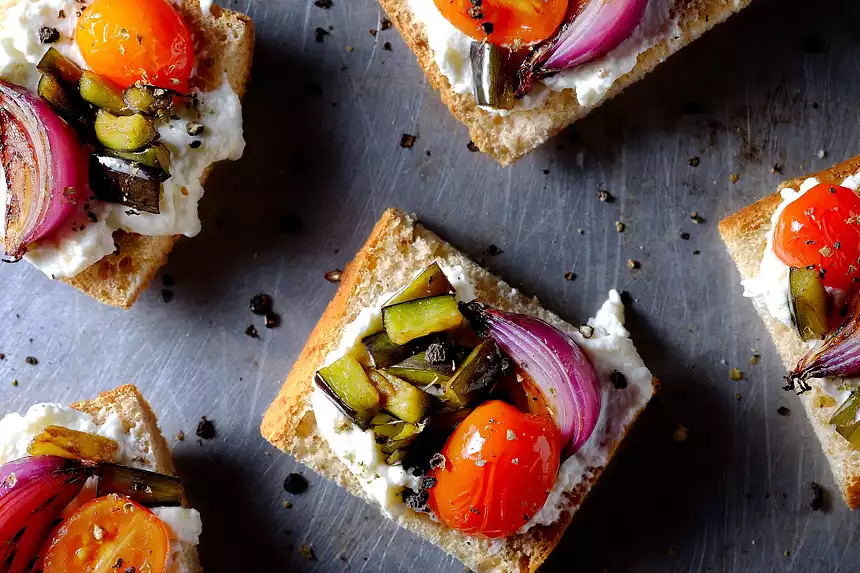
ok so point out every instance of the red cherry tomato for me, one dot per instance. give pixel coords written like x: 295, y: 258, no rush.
x: 500, y: 465
x: 514, y: 23
x: 821, y: 228
x: 137, y: 40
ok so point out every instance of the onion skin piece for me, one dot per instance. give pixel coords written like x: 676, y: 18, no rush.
x: 837, y: 356
x: 45, y: 168
x: 593, y: 32
x: 554, y: 362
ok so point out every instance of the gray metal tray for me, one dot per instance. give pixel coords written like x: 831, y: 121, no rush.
x: 775, y: 85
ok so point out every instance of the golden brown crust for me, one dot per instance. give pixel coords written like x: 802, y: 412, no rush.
x: 135, y: 411
x: 224, y: 45
x: 509, y: 138
x: 396, y: 249
x: 745, y: 235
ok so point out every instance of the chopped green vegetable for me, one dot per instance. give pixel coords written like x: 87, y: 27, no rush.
x: 156, y: 155
x: 491, y: 71
x: 480, y: 370
x: 845, y: 419
x: 124, y: 133
x: 810, y: 302
x: 346, y: 384
x: 149, y: 100
x: 53, y: 92
x: 409, y: 320
x: 55, y: 64
x: 429, y: 282
x: 383, y: 352
x: 146, y: 488
x: 417, y: 370
x: 400, y: 398
x: 102, y: 93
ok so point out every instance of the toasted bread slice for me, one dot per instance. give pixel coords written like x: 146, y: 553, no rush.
x: 745, y: 235
x: 225, y: 42
x: 396, y: 250
x: 135, y: 412
x: 511, y: 137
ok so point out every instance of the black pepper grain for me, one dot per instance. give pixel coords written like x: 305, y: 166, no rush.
x: 783, y: 411
x: 619, y: 380
x: 407, y: 141
x: 31, y: 360
x: 195, y: 144
x: 319, y: 35
x: 295, y: 484
x: 273, y: 320
x: 493, y: 250
x: 252, y: 332
x: 817, y: 496
x: 48, y: 35
x: 261, y: 304
x: 205, y: 429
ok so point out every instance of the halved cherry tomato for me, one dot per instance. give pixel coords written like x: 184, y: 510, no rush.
x: 513, y: 23
x: 500, y: 465
x: 821, y: 228
x: 106, y: 531
x: 137, y: 40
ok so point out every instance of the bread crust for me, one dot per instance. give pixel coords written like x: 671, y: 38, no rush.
x: 397, y: 248
x: 134, y: 411
x: 509, y: 138
x: 224, y: 43
x: 745, y: 235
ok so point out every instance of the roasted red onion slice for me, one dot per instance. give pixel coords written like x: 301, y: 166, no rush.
x: 595, y: 30
x: 553, y: 361
x: 33, y: 493
x: 838, y: 355
x: 44, y: 165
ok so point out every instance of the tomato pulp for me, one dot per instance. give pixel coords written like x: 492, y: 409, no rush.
x: 500, y: 465
x: 821, y: 228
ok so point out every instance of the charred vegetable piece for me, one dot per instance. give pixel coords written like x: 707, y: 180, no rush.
x: 417, y: 370
x: 346, y: 384
x: 383, y: 352
x: 72, y: 444
x: 810, y: 302
x: 102, y: 93
x: 55, y: 64
x: 403, y: 439
x: 149, y: 100
x: 399, y: 398
x: 409, y: 320
x: 146, y: 488
x: 396, y: 458
x: 157, y: 156
x: 845, y: 419
x: 430, y: 282
x: 479, y: 371
x: 446, y: 421
x: 125, y: 182
x: 124, y: 133
x: 53, y: 92
x: 492, y: 75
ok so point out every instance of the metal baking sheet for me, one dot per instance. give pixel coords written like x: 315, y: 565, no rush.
x: 771, y: 94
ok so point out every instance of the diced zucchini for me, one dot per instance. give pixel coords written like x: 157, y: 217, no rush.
x: 845, y: 418
x: 146, y: 488
x: 416, y: 370
x: 53, y: 92
x: 66, y: 443
x: 124, y: 133
x: 430, y: 282
x: 409, y: 320
x: 156, y: 155
x: 149, y: 100
x: 480, y: 370
x: 383, y: 352
x: 403, y: 439
x: 346, y: 384
x: 102, y: 93
x: 810, y: 302
x: 55, y: 64
x: 400, y: 398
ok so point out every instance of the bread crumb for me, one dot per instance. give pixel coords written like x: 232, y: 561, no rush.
x: 736, y: 375
x: 569, y: 276
x: 696, y: 218
x: 619, y: 226
x: 633, y: 264
x: 334, y: 276
x: 680, y: 434
x: 734, y: 178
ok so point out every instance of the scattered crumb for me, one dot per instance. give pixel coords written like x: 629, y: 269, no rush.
x: 166, y: 294
x: 273, y: 320
x: 605, y: 196
x: 385, y: 24
x: 694, y: 161
x: 295, y: 484
x: 472, y: 147
x: 685, y: 236
x: 324, y: 4
x: 633, y: 264
x: 14, y: 383
x: 319, y: 35
x: 334, y: 276
x: 373, y: 32
x: 493, y: 250
x: 734, y: 178
x: 787, y: 553
x: 755, y: 358
x: 287, y: 505
x: 619, y: 226
x: 205, y: 429
x: 783, y: 411
x: 697, y: 252
x: 738, y: 396
x: 386, y: 46
x: 261, y: 304
x: 680, y: 434
x: 350, y: 49
x: 696, y: 218
x: 581, y: 231
x: 817, y: 501
x: 307, y: 552
x: 407, y: 141
x: 776, y: 169
x: 821, y: 154
x: 586, y: 330
x: 180, y: 435
x: 569, y: 276
x: 736, y: 375
x: 31, y: 360
x: 252, y: 332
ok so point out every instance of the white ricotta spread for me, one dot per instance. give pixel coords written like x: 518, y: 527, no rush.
x: 610, y: 348
x: 17, y: 431
x: 68, y: 251
x: 590, y: 81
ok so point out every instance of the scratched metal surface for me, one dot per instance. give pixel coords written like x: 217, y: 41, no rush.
x: 773, y: 86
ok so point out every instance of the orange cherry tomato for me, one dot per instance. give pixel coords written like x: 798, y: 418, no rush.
x: 513, y: 23
x: 137, y: 40
x: 106, y: 531
x: 821, y: 228
x: 500, y: 465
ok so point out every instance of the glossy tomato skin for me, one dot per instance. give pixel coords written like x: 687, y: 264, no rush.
x: 511, y: 23
x: 137, y: 40
x: 821, y: 228
x: 105, y: 530
x: 500, y: 465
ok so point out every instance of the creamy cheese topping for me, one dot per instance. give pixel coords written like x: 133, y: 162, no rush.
x: 609, y: 349
x: 17, y: 431
x: 82, y: 242
x: 590, y: 81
